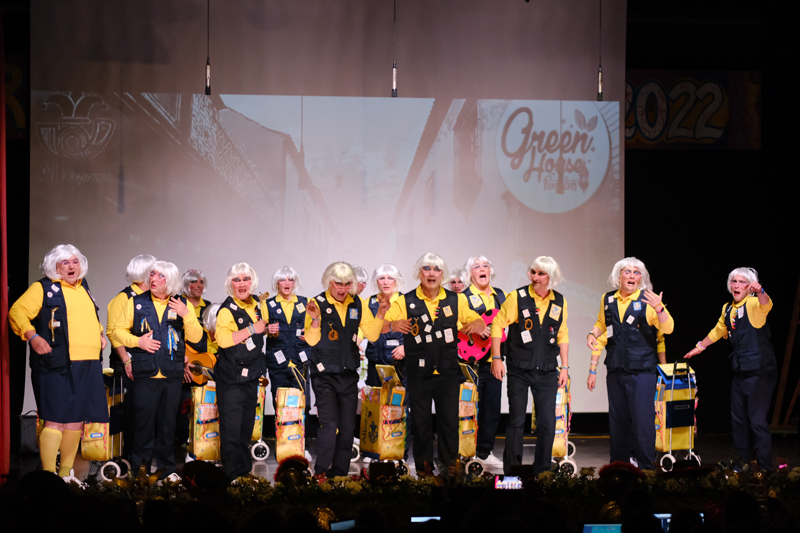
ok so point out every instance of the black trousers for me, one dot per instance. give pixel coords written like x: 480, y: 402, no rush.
x: 490, y: 391
x: 443, y: 391
x: 237, y: 416
x: 631, y: 417
x: 128, y: 419
x: 544, y: 387
x: 337, y: 399
x: 750, y: 397
x: 156, y: 403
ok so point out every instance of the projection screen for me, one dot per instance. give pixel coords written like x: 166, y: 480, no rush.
x: 496, y: 145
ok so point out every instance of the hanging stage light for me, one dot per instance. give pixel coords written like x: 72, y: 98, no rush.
x: 600, y: 55
x: 394, y: 51
x: 208, y: 47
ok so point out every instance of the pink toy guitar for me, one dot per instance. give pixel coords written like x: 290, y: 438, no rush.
x: 475, y: 346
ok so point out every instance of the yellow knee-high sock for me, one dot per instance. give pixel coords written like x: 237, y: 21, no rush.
x: 69, y: 448
x: 49, y: 443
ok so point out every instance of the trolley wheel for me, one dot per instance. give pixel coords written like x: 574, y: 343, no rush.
x: 570, y: 449
x: 401, y: 469
x: 568, y: 467
x: 667, y: 462
x: 691, y: 456
x: 125, y: 467
x: 354, y: 453
x: 260, y: 451
x: 109, y: 471
x: 474, y: 467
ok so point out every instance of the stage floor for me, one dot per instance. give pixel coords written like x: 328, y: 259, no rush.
x: 590, y: 451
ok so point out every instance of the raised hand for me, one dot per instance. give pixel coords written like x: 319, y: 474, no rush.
x: 754, y: 287
x: 653, y: 299
x: 274, y: 328
x: 178, y: 306
x: 312, y: 309
x: 383, y: 305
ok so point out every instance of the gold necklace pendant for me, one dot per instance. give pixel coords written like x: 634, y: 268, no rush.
x: 528, y: 324
x: 415, y: 328
x: 333, y: 335
x: 52, y: 324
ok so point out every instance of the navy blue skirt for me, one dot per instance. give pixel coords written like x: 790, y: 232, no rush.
x: 78, y: 395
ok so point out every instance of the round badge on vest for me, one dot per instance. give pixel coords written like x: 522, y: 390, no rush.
x: 138, y: 307
x: 49, y: 294
x: 241, y: 321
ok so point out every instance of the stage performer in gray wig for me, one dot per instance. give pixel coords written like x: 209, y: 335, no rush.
x: 137, y: 274
x: 538, y: 336
x: 744, y: 322
x: 285, y: 314
x: 632, y: 316
x: 333, y: 319
x: 155, y: 327
x: 240, y: 363
x: 428, y: 316
x: 57, y: 316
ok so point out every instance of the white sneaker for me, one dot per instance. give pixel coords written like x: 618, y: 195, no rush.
x: 634, y: 462
x: 491, y: 460
x: 189, y: 458
x: 72, y: 479
x: 366, y: 460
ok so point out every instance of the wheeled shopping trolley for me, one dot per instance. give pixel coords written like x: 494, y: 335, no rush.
x: 259, y: 449
x: 290, y: 419
x: 102, y: 442
x: 468, y: 421
x: 204, y: 441
x: 675, y: 403
x: 563, y: 448
x: 383, y: 419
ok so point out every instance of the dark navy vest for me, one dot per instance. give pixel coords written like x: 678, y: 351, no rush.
x: 427, y: 347
x: 237, y: 363
x: 337, y: 349
x: 169, y: 331
x: 288, y: 339
x: 633, y: 345
x: 54, y: 308
x: 380, y: 351
x: 752, y: 347
x: 499, y: 299
x: 542, y: 351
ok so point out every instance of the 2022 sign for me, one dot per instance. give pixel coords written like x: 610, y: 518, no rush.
x: 688, y: 112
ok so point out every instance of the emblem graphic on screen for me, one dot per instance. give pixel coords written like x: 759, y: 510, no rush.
x: 553, y: 155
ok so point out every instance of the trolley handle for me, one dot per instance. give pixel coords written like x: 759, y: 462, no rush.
x: 299, y: 377
x: 681, y: 367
